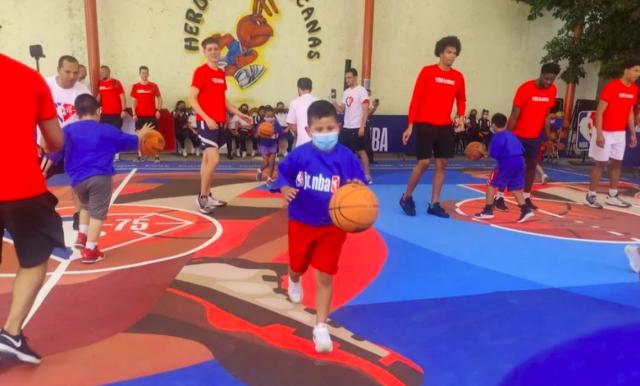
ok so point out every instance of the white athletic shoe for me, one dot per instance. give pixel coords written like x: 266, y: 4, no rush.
x: 295, y: 291
x: 545, y: 179
x: 322, y: 338
x: 184, y: 153
x: 617, y: 201
x: 634, y: 257
x: 212, y: 202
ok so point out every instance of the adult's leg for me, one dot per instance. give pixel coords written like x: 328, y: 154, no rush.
x: 438, y: 178
x: 416, y: 175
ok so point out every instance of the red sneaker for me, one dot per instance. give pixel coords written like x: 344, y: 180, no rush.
x: 81, y: 241
x: 90, y: 256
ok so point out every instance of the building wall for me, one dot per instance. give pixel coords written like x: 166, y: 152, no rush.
x: 501, y: 49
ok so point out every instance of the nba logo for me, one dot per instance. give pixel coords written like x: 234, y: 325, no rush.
x: 300, y: 180
x: 335, y: 183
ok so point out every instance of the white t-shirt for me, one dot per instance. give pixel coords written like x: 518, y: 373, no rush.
x: 282, y: 119
x: 238, y: 123
x: 353, y: 100
x: 298, y: 116
x: 64, y: 98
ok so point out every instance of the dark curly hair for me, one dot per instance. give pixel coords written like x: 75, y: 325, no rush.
x: 448, y: 41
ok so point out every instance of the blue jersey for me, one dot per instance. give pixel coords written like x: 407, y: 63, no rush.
x: 505, y: 144
x: 316, y: 175
x: 89, y: 149
x: 277, y: 132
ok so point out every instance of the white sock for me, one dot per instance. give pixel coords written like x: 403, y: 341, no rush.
x: 591, y: 193
x: 500, y: 194
x: 83, y: 228
x: 91, y: 245
x: 613, y: 192
x: 527, y: 195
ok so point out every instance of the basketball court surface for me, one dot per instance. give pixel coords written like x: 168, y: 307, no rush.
x: 188, y: 299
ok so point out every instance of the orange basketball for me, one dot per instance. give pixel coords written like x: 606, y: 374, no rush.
x: 353, y: 208
x: 151, y: 143
x: 265, y: 130
x: 475, y: 151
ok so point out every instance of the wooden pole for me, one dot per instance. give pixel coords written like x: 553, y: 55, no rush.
x: 367, y: 45
x: 93, y: 46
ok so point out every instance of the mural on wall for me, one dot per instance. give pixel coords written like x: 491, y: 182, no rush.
x: 252, y: 31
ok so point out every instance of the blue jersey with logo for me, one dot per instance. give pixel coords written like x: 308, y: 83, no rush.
x: 317, y: 175
x: 505, y: 144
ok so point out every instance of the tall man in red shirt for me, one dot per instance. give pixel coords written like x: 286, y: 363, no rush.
x: 614, y: 117
x: 27, y: 209
x: 111, y: 98
x: 436, y: 88
x: 147, y: 102
x: 208, y: 100
x: 530, y: 114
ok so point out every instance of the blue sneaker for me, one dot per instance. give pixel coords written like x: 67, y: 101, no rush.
x: 437, y: 210
x: 408, y: 205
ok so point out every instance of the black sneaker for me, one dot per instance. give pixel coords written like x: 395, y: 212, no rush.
x: 529, y: 203
x: 17, y: 346
x: 500, y: 205
x: 408, y: 205
x: 525, y: 213
x: 437, y: 210
x: 76, y: 221
x: 487, y: 212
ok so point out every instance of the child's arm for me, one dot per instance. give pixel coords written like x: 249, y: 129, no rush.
x: 289, y: 193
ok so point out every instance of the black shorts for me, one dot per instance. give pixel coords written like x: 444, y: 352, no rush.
x: 112, y: 119
x: 142, y: 120
x: 351, y: 139
x: 531, y: 148
x: 35, y: 227
x: 211, y: 138
x: 434, y: 141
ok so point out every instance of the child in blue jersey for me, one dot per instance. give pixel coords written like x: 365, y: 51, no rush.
x: 507, y: 150
x: 89, y: 151
x: 308, y: 177
x: 268, y: 147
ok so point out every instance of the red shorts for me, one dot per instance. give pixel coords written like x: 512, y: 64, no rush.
x: 316, y: 246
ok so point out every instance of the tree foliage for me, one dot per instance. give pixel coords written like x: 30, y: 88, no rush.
x: 608, y: 33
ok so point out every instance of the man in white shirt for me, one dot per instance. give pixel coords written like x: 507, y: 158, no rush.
x: 297, y: 117
x: 65, y: 88
x: 355, y: 106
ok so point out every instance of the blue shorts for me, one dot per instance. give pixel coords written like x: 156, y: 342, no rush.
x: 210, y: 138
x: 509, y: 173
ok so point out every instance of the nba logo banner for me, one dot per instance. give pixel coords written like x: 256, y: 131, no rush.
x: 586, y: 123
x: 300, y: 180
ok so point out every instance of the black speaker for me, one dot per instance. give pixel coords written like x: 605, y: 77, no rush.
x: 36, y: 51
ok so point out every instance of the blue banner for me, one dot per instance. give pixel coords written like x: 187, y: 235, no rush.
x: 386, y: 134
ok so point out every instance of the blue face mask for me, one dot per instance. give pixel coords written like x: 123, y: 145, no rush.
x: 325, y: 141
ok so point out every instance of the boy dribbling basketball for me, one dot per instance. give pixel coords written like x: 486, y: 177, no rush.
x: 308, y: 177
x: 507, y: 150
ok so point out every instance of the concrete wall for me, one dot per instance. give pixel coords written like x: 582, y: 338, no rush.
x: 501, y: 48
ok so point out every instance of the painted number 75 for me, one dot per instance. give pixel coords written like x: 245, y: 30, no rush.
x: 138, y: 224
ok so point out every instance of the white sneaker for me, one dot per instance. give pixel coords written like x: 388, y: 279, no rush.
x: 244, y: 154
x: 198, y: 152
x: 545, y: 179
x: 617, y: 201
x: 238, y: 153
x: 295, y: 291
x: 184, y: 153
x: 322, y: 338
x: 212, y: 202
x: 253, y: 153
x: 634, y: 257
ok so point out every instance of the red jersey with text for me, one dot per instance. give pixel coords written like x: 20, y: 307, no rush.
x: 20, y: 174
x: 212, y: 84
x: 620, y: 100
x: 110, y: 91
x: 434, y: 94
x: 534, y: 104
x: 145, y: 95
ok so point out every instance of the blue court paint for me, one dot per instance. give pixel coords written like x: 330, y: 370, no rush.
x: 207, y: 373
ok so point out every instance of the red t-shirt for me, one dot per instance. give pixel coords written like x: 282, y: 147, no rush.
x: 433, y: 96
x: 25, y: 100
x: 145, y: 95
x: 212, y: 85
x: 534, y: 104
x: 620, y: 100
x: 110, y: 91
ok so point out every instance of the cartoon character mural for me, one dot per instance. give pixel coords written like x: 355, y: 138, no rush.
x: 252, y: 31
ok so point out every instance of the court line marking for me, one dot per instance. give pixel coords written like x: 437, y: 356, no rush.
x: 515, y: 203
x: 55, y: 277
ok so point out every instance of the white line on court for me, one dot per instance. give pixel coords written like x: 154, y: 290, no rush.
x: 62, y: 267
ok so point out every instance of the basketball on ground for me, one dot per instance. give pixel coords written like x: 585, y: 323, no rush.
x: 265, y: 130
x: 151, y: 143
x: 475, y: 151
x: 353, y: 208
